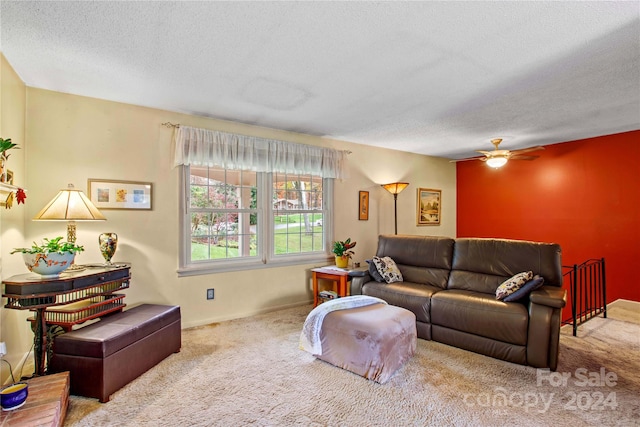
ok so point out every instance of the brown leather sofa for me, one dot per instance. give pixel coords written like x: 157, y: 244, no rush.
x: 450, y: 285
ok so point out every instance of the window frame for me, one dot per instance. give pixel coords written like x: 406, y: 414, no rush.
x: 265, y: 254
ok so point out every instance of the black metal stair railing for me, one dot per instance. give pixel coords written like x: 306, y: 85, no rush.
x: 588, y: 291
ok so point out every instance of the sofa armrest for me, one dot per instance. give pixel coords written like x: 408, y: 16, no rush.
x: 545, y: 310
x: 550, y: 296
x: 358, y: 281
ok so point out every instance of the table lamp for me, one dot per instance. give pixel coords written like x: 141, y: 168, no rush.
x: 70, y: 205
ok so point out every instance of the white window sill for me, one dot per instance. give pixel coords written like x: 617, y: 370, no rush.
x: 244, y: 265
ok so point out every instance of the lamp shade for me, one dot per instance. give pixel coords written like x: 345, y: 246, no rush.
x: 70, y: 204
x: 395, y: 187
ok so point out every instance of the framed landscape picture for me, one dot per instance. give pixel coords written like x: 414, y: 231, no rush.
x: 110, y: 194
x: 429, y: 206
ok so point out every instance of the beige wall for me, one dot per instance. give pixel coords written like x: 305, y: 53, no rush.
x: 73, y: 138
x: 14, y: 330
x: 81, y: 138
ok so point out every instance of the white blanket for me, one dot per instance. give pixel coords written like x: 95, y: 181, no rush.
x: 310, y: 336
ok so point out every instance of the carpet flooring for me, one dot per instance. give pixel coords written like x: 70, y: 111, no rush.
x: 250, y: 372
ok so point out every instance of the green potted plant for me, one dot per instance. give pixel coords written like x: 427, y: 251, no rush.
x: 6, y: 145
x: 51, y: 257
x: 341, y: 249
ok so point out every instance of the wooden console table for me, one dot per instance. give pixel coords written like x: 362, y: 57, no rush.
x: 79, y: 295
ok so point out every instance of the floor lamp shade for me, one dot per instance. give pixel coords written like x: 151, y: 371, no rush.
x: 395, y: 188
x: 70, y: 205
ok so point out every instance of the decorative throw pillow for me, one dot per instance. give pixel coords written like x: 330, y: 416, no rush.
x: 512, y: 284
x: 526, y: 289
x: 373, y: 272
x: 387, y: 269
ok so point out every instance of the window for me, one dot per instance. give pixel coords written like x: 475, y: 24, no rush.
x: 237, y: 219
x: 223, y: 213
x: 248, y: 201
x: 297, y: 213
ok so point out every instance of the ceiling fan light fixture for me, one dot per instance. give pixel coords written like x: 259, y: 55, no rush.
x: 497, y: 162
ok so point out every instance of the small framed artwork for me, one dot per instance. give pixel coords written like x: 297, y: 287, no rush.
x: 113, y: 194
x: 363, y: 205
x: 429, y: 206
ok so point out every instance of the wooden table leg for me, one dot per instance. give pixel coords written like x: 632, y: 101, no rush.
x: 40, y: 342
x: 342, y: 287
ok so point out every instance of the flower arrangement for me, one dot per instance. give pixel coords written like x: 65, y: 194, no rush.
x: 342, y: 249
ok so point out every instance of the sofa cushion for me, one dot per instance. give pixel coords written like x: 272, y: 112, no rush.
x: 525, y: 290
x: 373, y: 272
x: 480, y: 314
x: 415, y: 297
x: 430, y: 256
x: 387, y: 269
x: 428, y: 276
x: 421, y: 251
x: 477, y: 282
x: 512, y: 284
x: 494, y: 260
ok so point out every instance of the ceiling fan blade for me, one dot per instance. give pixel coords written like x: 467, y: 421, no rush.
x: 521, y: 157
x: 468, y: 158
x: 527, y: 150
x: 486, y: 153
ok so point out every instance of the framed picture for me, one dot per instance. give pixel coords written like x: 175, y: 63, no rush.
x: 113, y: 194
x: 429, y: 206
x: 363, y: 205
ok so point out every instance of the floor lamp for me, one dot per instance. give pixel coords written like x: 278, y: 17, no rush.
x: 395, y: 188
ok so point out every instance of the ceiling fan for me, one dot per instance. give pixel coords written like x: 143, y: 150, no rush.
x: 498, y: 158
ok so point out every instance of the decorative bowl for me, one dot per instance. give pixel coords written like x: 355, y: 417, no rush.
x: 13, y: 396
x: 48, y: 265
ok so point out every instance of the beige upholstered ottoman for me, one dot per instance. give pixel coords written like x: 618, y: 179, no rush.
x: 373, y: 341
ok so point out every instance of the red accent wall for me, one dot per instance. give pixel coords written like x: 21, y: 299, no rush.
x: 584, y: 195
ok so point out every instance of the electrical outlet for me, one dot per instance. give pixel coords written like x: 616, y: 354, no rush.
x: 210, y: 293
x: 3, y: 349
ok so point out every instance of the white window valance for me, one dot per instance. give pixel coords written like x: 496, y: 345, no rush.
x: 203, y: 147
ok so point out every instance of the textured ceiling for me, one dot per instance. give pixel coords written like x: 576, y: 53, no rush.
x: 436, y: 78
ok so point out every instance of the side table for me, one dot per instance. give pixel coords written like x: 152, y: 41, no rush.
x: 340, y: 276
